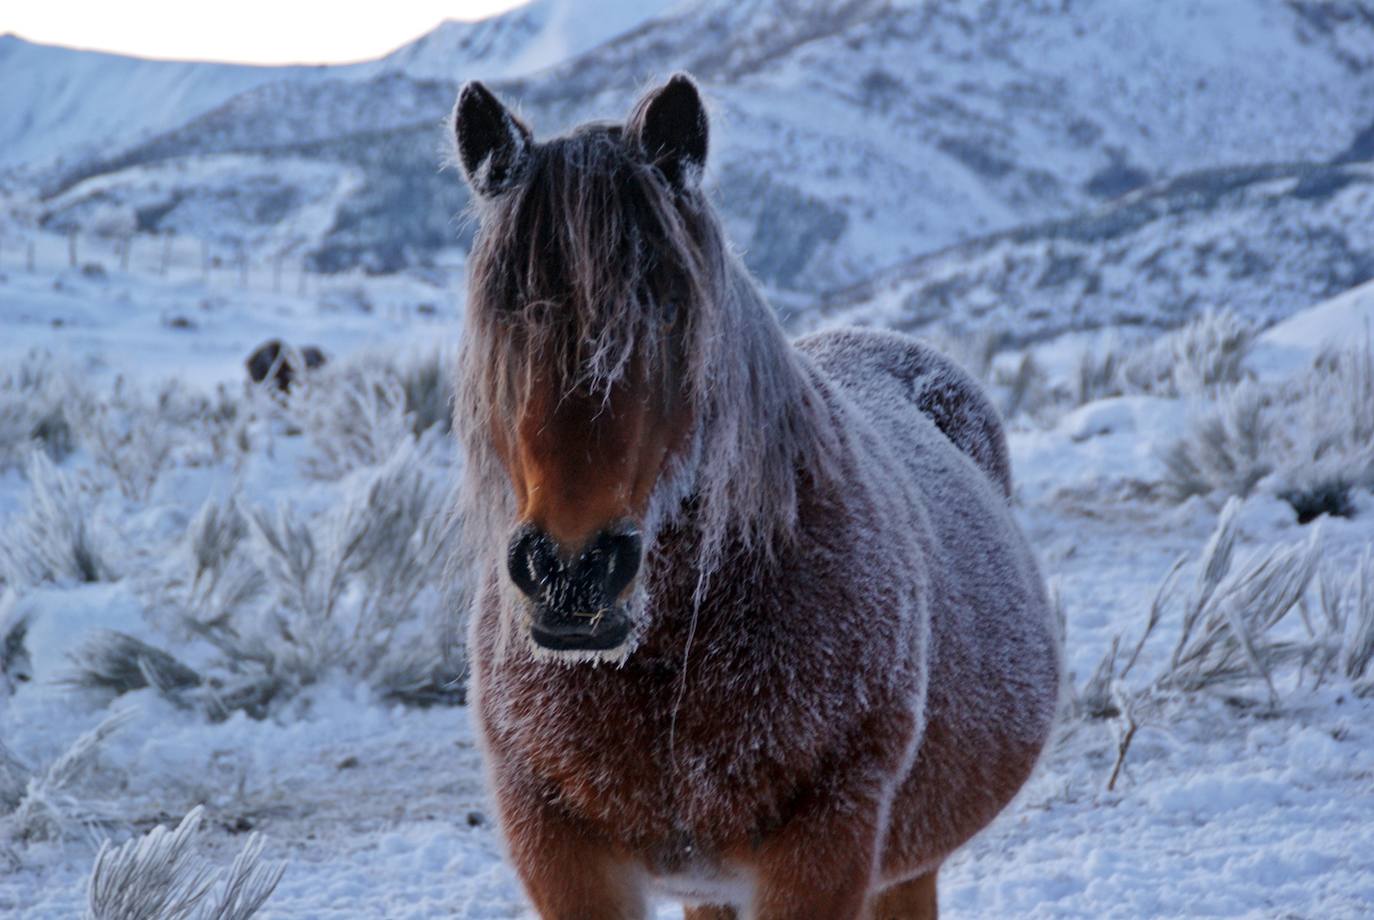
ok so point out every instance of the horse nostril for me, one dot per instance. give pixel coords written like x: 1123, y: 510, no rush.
x: 530, y: 560
x: 623, y: 551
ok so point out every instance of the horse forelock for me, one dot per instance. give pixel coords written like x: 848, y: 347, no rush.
x: 573, y: 268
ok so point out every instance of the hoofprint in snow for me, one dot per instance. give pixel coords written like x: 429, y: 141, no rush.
x: 1225, y: 805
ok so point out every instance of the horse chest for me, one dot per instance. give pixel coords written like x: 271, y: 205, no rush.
x: 676, y: 772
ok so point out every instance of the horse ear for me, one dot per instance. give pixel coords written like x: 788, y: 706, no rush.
x: 670, y: 125
x: 492, y: 143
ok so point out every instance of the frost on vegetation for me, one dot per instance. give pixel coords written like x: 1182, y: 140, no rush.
x: 57, y: 536
x: 159, y: 877
x: 1201, y: 357
x: 1237, y: 628
x: 1310, y: 441
x: 1347, y: 607
x: 134, y: 437
x: 288, y: 598
x: 1245, y: 626
x: 37, y: 399
x: 59, y: 801
x: 357, y: 412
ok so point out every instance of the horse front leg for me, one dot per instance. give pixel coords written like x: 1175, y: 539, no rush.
x: 568, y: 871
x: 820, y: 865
x: 817, y: 870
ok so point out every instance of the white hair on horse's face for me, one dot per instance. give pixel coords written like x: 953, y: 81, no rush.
x: 582, y: 261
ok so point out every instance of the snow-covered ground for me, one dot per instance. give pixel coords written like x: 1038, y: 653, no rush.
x: 1226, y: 805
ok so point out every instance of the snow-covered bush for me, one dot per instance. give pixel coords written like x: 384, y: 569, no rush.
x: 356, y: 412
x: 1200, y: 357
x: 288, y: 597
x: 133, y: 437
x: 1230, y: 446
x: 159, y: 877
x: 1208, y: 352
x: 60, y: 801
x: 1347, y: 605
x: 57, y: 537
x: 1309, y: 441
x: 37, y: 397
x: 1236, y: 625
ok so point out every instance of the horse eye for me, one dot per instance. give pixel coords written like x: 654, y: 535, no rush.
x: 668, y: 311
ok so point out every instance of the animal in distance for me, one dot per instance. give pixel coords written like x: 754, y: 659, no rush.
x: 753, y: 625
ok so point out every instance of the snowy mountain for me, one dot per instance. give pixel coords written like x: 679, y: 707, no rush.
x: 62, y: 105
x: 849, y: 138
x: 1263, y: 241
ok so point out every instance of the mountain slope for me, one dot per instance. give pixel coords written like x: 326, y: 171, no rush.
x: 64, y: 104
x: 1264, y: 241
x: 848, y: 137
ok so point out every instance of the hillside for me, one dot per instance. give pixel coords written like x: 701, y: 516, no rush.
x: 1263, y: 241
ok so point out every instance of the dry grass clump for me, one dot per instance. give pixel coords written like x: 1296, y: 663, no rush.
x: 288, y: 598
x: 1310, y: 441
x: 1201, y: 357
x: 1238, y: 634
x: 38, y: 397
x: 1237, y: 628
x: 59, y: 801
x: 159, y: 877
x: 57, y: 537
x: 356, y: 412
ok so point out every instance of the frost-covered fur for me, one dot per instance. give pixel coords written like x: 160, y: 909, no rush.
x: 817, y: 707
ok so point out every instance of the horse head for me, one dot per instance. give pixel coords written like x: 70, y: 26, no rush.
x: 585, y: 283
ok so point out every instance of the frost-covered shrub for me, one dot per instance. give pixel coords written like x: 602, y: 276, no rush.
x: 1206, y: 353
x: 1309, y: 441
x: 356, y: 412
x: 61, y: 800
x: 1347, y: 605
x: 159, y: 877
x: 117, y: 662
x: 1200, y: 357
x: 288, y: 597
x: 56, y: 538
x: 1237, y: 626
x: 133, y: 437
x: 1230, y: 446
x: 1098, y: 376
x: 38, y: 396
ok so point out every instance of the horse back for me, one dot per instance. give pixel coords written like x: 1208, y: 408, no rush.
x: 942, y: 390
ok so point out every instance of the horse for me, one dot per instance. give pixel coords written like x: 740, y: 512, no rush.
x: 753, y: 626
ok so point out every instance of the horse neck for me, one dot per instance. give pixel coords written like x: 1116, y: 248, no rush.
x: 767, y: 436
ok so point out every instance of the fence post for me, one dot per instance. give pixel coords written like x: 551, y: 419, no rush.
x: 243, y: 268
x: 126, y: 243
x: 166, y: 254
x: 31, y: 257
x: 71, y: 247
x: 276, y: 273
x: 300, y: 289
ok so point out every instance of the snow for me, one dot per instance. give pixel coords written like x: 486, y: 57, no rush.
x: 60, y: 101
x: 380, y: 810
x: 1224, y: 808
x: 1291, y: 345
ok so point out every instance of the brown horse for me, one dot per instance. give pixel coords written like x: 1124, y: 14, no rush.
x: 754, y: 625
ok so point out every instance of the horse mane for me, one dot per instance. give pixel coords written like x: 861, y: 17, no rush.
x: 575, y: 266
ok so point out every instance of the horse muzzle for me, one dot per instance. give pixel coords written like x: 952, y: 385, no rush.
x: 576, y: 599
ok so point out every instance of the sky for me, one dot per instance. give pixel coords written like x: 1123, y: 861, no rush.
x: 247, y: 31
